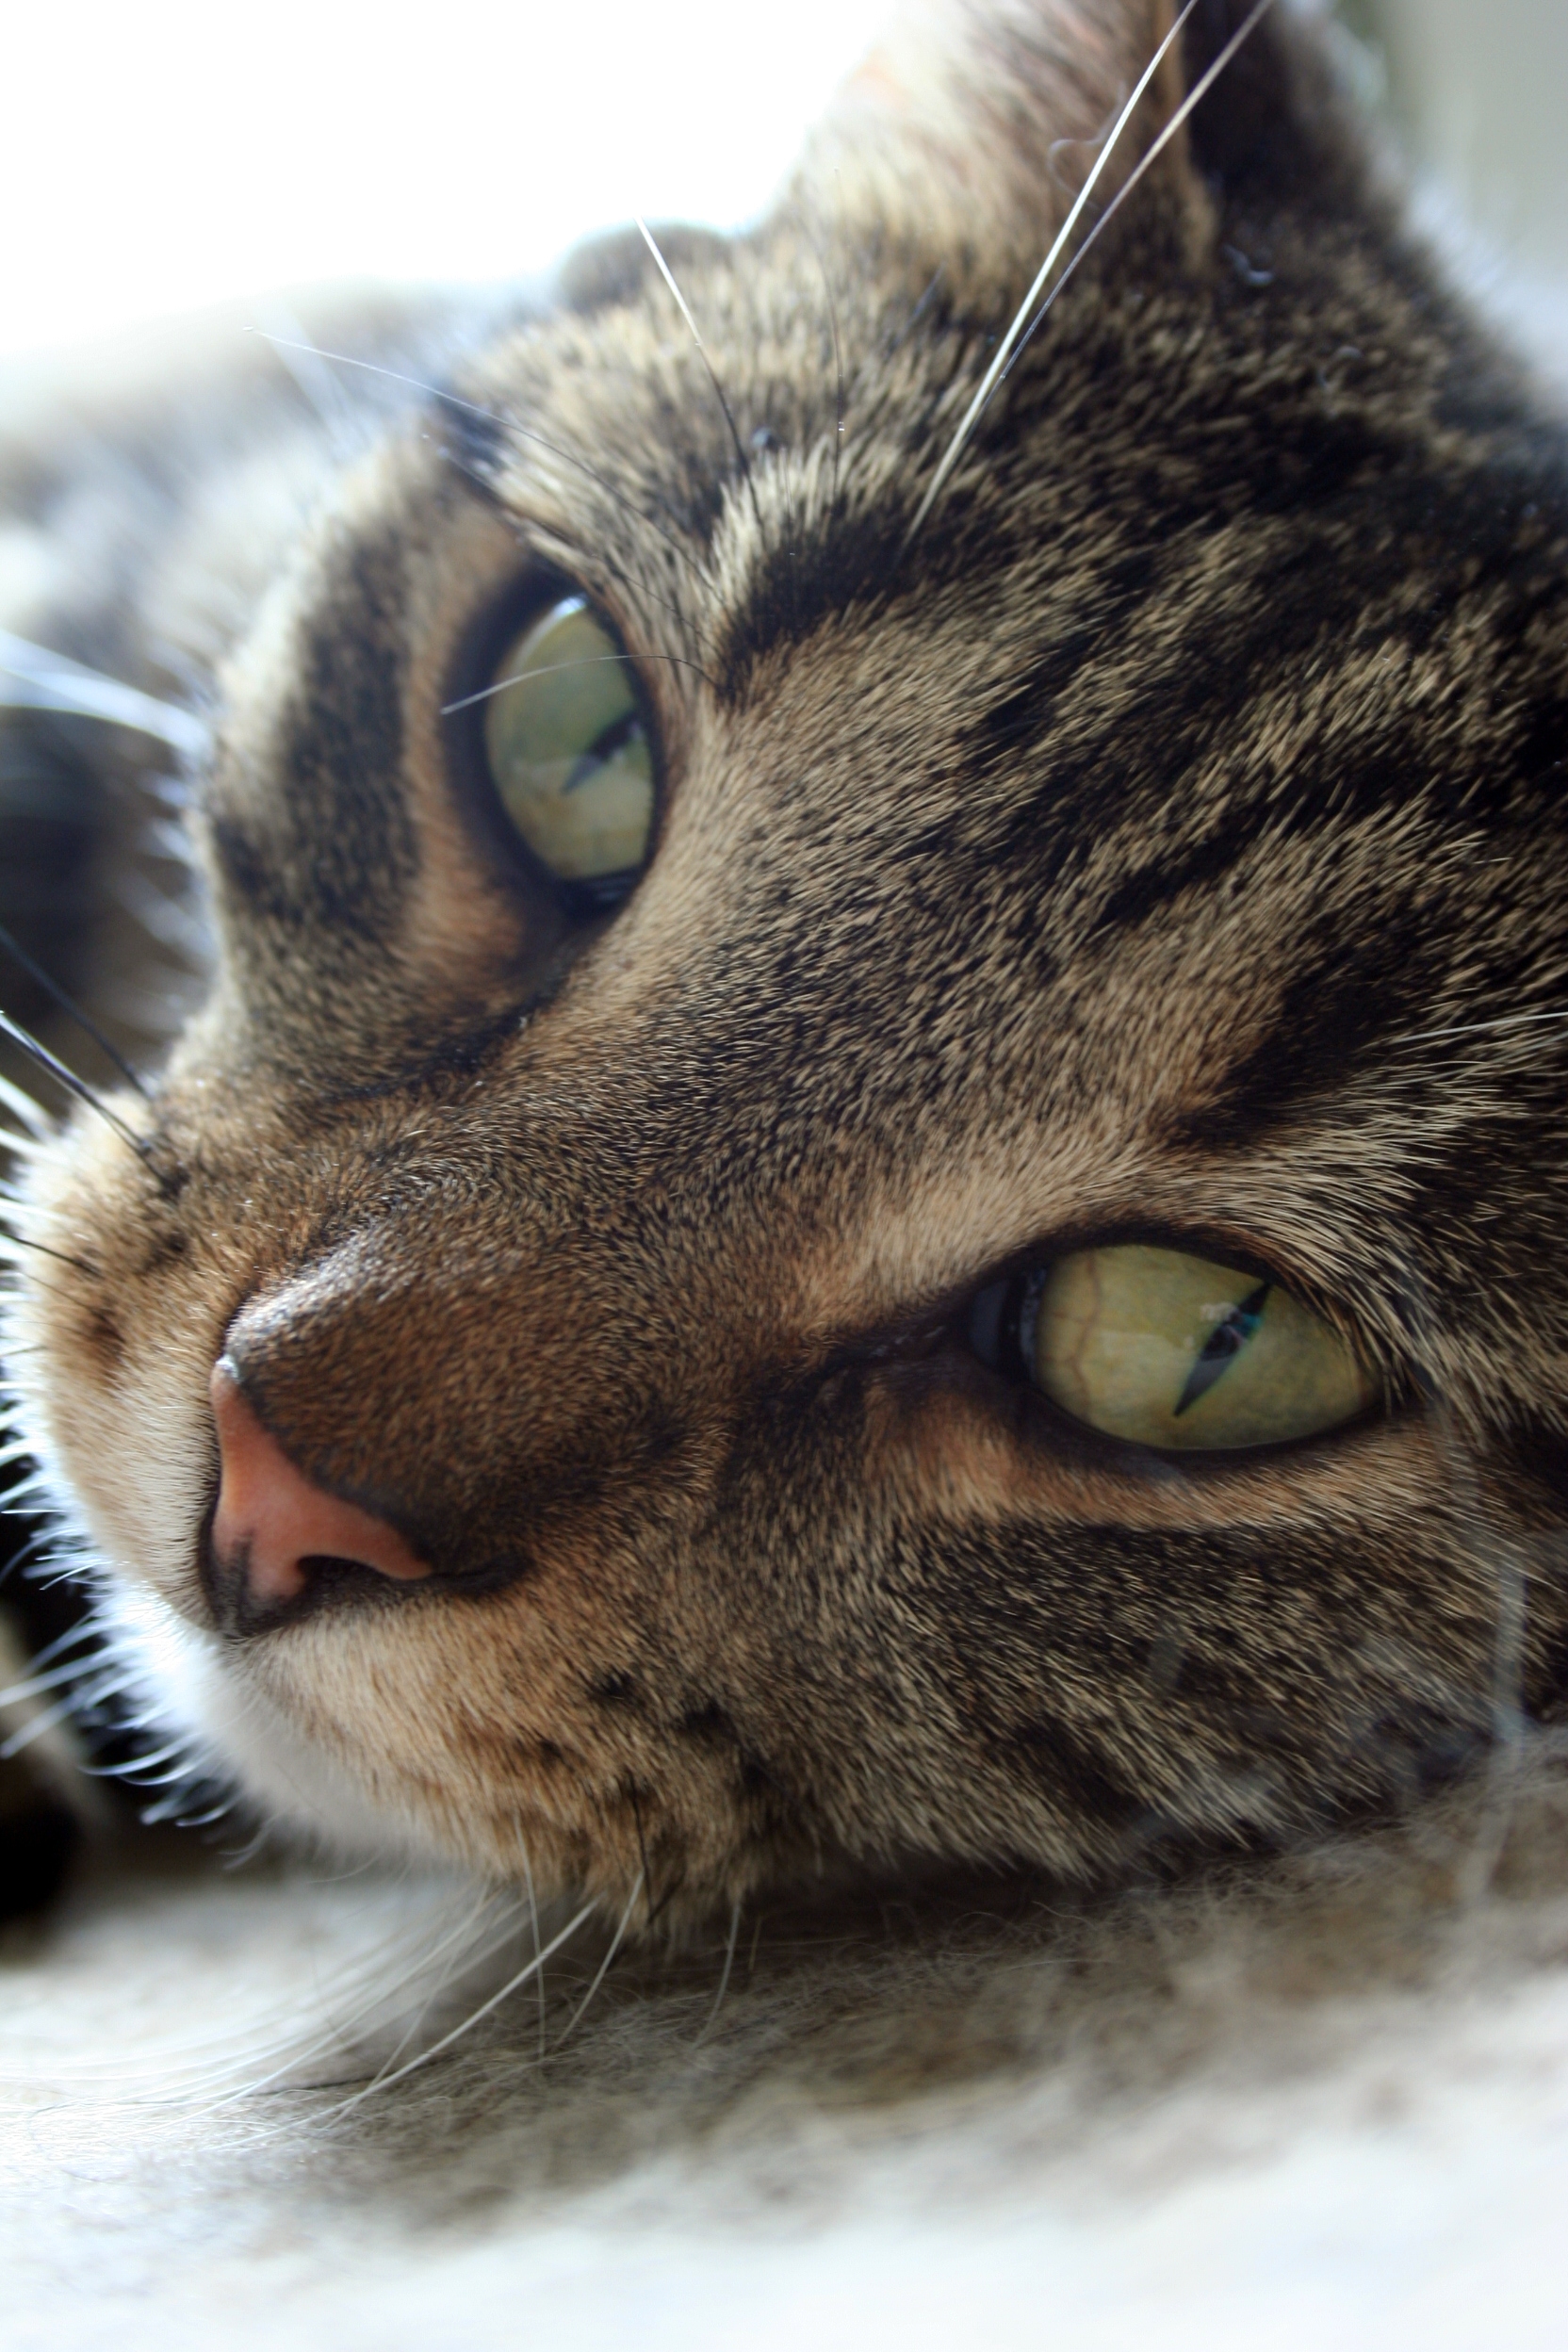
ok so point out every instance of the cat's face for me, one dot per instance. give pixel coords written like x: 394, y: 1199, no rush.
x: 703, y: 1315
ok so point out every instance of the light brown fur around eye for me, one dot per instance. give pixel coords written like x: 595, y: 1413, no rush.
x: 1163, y: 834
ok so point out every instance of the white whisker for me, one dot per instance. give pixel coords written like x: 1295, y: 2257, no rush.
x: 212, y: 2070
x: 142, y: 1764
x: 74, y: 1669
x: 334, y: 2035
x: 507, y: 424
x: 1004, y: 349
x: 477, y: 1948
x: 603, y: 1968
x: 33, y: 678
x: 384, y: 2081
x: 533, y: 1925
x: 589, y: 661
x: 87, y: 1631
x: 668, y: 276
x: 32, y: 1116
x: 719, y: 393
x: 36, y: 1727
x: 723, y: 1981
x: 1194, y: 98
x: 1476, y: 1028
x: 38, y: 1483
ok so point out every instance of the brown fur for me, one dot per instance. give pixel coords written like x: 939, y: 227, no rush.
x: 1101, y: 860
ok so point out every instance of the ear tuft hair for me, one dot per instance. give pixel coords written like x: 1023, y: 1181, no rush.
x: 971, y: 128
x: 1275, y: 117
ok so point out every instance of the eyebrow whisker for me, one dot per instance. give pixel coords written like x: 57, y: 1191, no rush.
x: 719, y: 393
x: 550, y: 669
x: 992, y: 376
x: 1194, y: 98
x: 508, y: 425
x: 1018, y: 334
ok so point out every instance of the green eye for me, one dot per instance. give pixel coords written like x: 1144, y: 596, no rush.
x: 568, y: 752
x: 1172, y: 1351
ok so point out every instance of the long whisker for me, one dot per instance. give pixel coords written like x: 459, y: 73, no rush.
x: 466, y: 702
x: 603, y: 1968
x: 171, y: 1812
x: 384, y: 2081
x: 347, y: 1981
x: 1476, y: 1028
x: 534, y: 1927
x: 68, y: 1005
x: 719, y: 393
x: 33, y: 678
x: 838, y: 356
x: 61, y: 1257
x: 28, y: 1115
x: 38, y: 1727
x: 178, y: 1752
x: 993, y: 374
x: 72, y: 1085
x: 87, y: 1631
x: 508, y: 425
x: 33, y: 1685
x: 1194, y: 98
x: 712, y: 2016
x: 30, y: 1550
x: 473, y: 1945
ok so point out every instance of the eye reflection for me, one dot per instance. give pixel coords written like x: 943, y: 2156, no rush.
x: 568, y: 752
x: 1164, y: 1348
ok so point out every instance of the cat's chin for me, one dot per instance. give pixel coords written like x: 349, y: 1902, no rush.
x: 235, y: 1738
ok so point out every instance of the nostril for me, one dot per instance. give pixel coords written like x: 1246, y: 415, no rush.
x: 274, y: 1526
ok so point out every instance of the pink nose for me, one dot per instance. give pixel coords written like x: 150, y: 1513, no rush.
x: 271, y: 1518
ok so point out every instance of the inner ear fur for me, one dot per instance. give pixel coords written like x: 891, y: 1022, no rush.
x: 971, y: 127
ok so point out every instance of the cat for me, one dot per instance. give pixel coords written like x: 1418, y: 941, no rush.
x: 874, y: 1171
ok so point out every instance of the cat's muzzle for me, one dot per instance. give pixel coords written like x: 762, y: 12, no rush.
x: 280, y: 1545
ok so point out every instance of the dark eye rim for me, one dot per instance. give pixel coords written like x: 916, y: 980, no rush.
x: 1049, y: 1421
x: 472, y: 670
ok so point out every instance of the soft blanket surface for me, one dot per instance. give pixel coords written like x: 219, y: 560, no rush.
x: 1317, y: 2101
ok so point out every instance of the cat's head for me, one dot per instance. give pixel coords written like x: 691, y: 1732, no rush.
x: 912, y: 1202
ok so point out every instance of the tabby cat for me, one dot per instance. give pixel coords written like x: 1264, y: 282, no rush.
x: 876, y: 1169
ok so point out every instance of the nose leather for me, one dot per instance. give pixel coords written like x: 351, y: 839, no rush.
x: 272, y: 1521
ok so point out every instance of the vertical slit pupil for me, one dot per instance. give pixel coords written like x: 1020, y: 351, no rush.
x: 1224, y: 1344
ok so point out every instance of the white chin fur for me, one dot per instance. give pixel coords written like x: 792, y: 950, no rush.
x: 238, y: 1734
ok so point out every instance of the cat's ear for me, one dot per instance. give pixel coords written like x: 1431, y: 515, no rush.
x: 971, y: 127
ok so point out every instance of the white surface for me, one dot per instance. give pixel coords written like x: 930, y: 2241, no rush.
x: 1326, y: 2106
x: 170, y: 155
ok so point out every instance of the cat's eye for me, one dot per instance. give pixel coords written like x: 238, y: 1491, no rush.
x: 1163, y: 1348
x: 568, y: 749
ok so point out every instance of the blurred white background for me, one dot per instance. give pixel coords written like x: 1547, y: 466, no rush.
x: 157, y: 157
